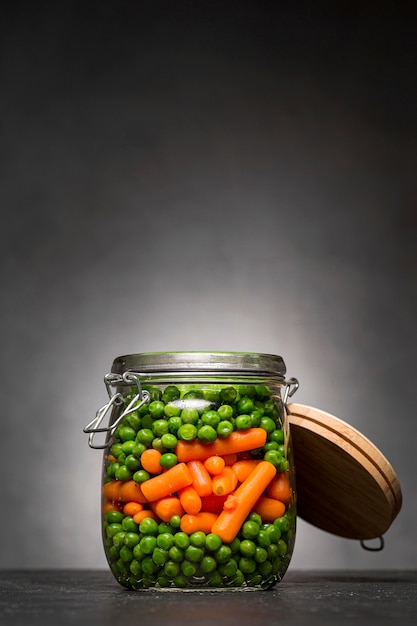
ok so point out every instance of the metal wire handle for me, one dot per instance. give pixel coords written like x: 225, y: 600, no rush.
x: 116, y: 399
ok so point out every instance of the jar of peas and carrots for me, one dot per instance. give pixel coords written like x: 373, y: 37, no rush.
x: 198, y: 487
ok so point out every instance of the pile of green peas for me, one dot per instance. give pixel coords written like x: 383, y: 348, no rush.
x: 149, y: 554
x: 152, y: 555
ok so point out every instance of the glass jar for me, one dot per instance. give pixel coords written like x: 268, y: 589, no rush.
x: 198, y: 488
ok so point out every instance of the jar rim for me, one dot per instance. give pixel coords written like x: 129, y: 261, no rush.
x: 195, y: 361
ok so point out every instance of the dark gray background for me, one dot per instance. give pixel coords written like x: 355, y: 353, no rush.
x: 202, y: 176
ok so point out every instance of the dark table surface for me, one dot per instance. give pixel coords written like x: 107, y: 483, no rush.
x: 56, y: 597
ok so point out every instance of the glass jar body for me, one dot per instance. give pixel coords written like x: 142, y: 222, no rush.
x: 198, y: 488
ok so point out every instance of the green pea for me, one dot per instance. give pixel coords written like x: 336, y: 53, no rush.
x: 170, y: 393
x: 131, y: 539
x: 228, y: 395
x: 176, y: 554
x: 174, y: 424
x: 137, y: 552
x: 141, y: 476
x: 255, y: 418
x: 172, y: 410
x: 145, y: 436
x: 126, y: 554
x: 171, y: 569
x: 111, y: 469
x: 250, y: 529
x: 148, y: 544
x: 235, y: 545
x: 228, y: 569
x: 114, y: 517
x: 260, y: 555
x: 188, y: 568
x: 224, y: 428
x: 208, y: 564
x: 214, y: 579
x: 147, y: 421
x: 274, y: 457
x: 270, y: 445
x: 113, y: 553
x: 133, y: 420
x: 210, y: 418
x: 243, y: 422
x: 247, y: 547
x: 128, y: 446
x: 116, y: 449
x: 135, y: 567
x: 283, y: 523
x: 262, y: 392
x: 119, y: 539
x: 181, y: 540
x: 193, y: 553
x: 207, y: 434
x: 126, y: 433
x: 163, y: 581
x: 129, y: 525
x: 265, y: 569
x: 273, y: 532
x: 282, y: 547
x: 167, y: 460
x: 157, y: 445
x: 198, y: 539
x: 180, y: 581
x: 149, y: 567
x: 165, y: 527
x: 123, y: 473
x: 190, y: 416
x: 267, y: 424
x: 159, y: 556
x: 169, y: 441
x: 247, y: 390
x: 269, y: 407
x: 132, y: 463
x: 175, y: 521
x: 212, y: 542
x: 148, y: 526
x: 277, y: 435
x: 259, y: 406
x: 247, y: 565
x: 223, y: 554
x: 160, y: 427
x: 245, y: 405
x: 225, y: 411
x: 165, y: 541
x: 154, y: 392
x: 263, y: 540
x: 138, y: 449
x: 187, y: 432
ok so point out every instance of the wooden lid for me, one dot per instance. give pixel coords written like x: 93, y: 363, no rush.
x: 344, y: 483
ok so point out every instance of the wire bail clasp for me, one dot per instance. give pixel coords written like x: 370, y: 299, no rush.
x: 291, y: 386
x: 117, y: 399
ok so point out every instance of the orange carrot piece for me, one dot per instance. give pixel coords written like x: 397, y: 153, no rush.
x: 244, y: 499
x: 123, y: 491
x: 212, y: 503
x: 225, y: 482
x: 269, y: 509
x: 140, y: 515
x: 166, y: 507
x: 131, y: 508
x: 237, y: 441
x: 150, y: 461
x: 190, y: 500
x: 109, y: 505
x: 280, y: 488
x: 167, y: 483
x: 201, y: 479
x: 214, y: 465
x: 202, y: 521
x: 244, y: 468
x: 229, y: 459
x: 131, y: 492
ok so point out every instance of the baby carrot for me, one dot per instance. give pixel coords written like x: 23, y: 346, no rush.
x: 150, y: 461
x: 165, y: 508
x: 201, y: 479
x: 109, y: 506
x: 225, y: 482
x: 244, y: 499
x: 212, y: 503
x: 244, y: 468
x: 167, y: 483
x: 202, y: 521
x: 269, y: 509
x: 140, y: 515
x: 131, y: 492
x: 190, y: 500
x: 237, y: 441
x: 214, y: 465
x: 131, y: 508
x: 123, y: 491
x: 280, y: 488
